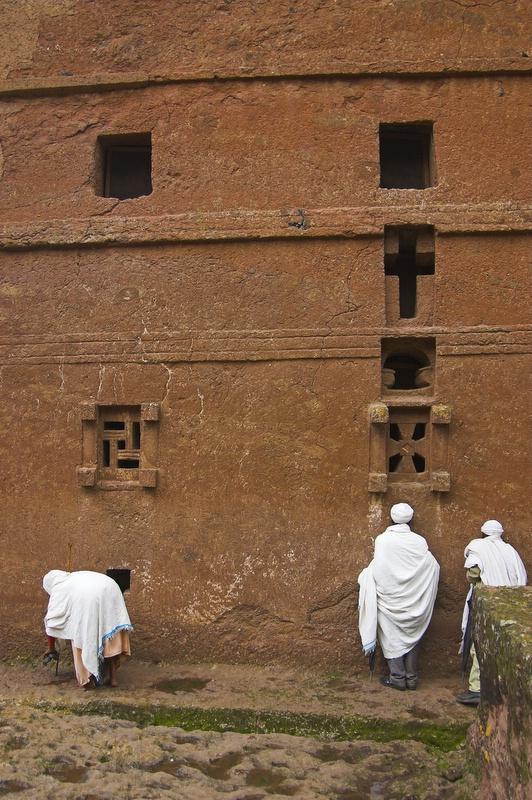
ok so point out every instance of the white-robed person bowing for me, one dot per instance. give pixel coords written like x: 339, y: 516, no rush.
x: 397, y: 594
x: 88, y: 609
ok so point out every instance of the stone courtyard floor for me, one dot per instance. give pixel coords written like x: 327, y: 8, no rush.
x: 236, y: 732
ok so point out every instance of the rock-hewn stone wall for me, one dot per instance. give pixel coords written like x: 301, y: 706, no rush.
x: 247, y: 297
x: 502, y: 738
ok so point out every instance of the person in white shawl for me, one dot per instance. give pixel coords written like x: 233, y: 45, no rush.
x: 88, y: 609
x: 495, y: 563
x: 397, y: 594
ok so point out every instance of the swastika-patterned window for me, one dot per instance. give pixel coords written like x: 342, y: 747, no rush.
x: 119, y: 443
x: 408, y: 446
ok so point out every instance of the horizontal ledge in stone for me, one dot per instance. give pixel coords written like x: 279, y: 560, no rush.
x: 224, y: 356
x: 95, y: 82
x: 241, y: 224
x: 23, y: 355
x: 173, y: 358
x: 231, y: 339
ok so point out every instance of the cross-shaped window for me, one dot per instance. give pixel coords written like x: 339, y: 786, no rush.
x: 408, y: 252
x: 408, y: 444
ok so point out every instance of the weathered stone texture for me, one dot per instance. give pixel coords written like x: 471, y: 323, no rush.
x: 250, y: 37
x: 283, y: 144
x: 502, y: 737
x: 247, y: 297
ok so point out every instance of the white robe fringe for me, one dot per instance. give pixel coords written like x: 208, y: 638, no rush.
x: 397, y: 592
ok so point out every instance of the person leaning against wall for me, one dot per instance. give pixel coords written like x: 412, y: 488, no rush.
x: 492, y: 562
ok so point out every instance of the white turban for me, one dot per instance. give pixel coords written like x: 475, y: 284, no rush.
x: 492, y: 528
x: 401, y: 512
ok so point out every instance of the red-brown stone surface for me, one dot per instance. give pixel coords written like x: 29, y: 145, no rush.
x: 71, y: 37
x: 246, y: 296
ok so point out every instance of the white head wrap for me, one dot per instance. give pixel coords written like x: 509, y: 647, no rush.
x: 53, y: 579
x: 492, y: 528
x: 401, y: 512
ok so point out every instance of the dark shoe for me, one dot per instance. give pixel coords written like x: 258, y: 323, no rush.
x: 411, y: 684
x: 387, y: 681
x: 469, y: 698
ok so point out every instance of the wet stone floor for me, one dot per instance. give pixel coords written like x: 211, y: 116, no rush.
x: 51, y: 748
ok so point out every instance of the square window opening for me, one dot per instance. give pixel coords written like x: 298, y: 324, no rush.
x: 122, y: 577
x: 406, y: 155
x: 123, y: 166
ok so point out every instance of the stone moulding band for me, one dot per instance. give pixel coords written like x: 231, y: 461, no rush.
x: 270, y: 345
x: 243, y: 224
x: 63, y: 84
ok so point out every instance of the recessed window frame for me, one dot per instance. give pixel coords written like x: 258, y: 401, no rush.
x: 436, y: 419
x: 419, y: 349
x: 93, y: 472
x: 119, y: 448
x: 107, y: 146
x: 404, y: 426
x: 422, y: 133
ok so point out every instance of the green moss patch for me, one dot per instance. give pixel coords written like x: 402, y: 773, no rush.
x: 245, y: 720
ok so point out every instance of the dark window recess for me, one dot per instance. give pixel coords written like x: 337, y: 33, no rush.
x: 113, y: 425
x: 406, y: 157
x: 405, y: 257
x: 419, y: 431
x: 419, y: 462
x: 122, y: 577
x: 394, y: 431
x: 406, y: 369
x: 128, y: 463
x: 136, y: 435
x: 106, y: 454
x: 125, y: 166
x: 394, y: 462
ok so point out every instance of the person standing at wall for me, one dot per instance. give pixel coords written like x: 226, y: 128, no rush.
x: 493, y: 562
x: 397, y: 594
x: 88, y: 608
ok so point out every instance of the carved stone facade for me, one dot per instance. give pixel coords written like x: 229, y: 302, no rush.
x: 263, y: 275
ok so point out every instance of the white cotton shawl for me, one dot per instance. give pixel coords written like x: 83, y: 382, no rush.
x: 397, y: 592
x: 87, y: 608
x: 500, y: 565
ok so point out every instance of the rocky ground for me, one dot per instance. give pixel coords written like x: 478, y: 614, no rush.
x: 59, y: 741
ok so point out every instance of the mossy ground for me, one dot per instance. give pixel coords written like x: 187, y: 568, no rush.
x: 318, y: 726
x: 218, y: 731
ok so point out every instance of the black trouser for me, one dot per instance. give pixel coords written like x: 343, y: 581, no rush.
x: 403, y: 670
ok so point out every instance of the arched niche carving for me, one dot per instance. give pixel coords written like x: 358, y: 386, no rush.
x: 408, y: 365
